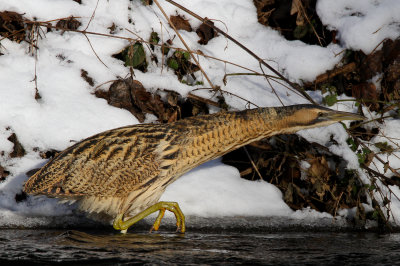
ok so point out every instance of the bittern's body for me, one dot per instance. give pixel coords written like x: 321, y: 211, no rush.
x: 122, y: 172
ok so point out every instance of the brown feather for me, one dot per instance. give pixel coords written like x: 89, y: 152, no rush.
x: 126, y: 170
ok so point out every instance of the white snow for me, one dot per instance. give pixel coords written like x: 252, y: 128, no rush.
x: 222, y: 192
x: 361, y: 25
x: 69, y: 112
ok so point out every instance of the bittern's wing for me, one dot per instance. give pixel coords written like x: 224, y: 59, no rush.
x: 112, y: 163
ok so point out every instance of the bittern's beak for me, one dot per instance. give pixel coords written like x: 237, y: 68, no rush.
x: 339, y: 116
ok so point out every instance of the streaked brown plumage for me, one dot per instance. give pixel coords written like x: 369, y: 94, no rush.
x: 123, y: 171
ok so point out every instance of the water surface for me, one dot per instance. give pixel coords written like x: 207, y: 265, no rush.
x: 106, y: 247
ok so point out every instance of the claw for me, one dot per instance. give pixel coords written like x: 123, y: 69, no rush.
x: 120, y: 224
x: 116, y: 223
x: 157, y: 222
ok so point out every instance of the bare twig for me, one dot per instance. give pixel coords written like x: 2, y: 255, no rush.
x: 45, y: 24
x: 272, y: 87
x: 379, y: 159
x: 385, y: 180
x: 309, y: 21
x: 92, y: 17
x: 202, y: 99
x: 184, y: 43
x: 94, y: 50
x: 206, y: 21
x: 230, y: 93
x: 330, y: 74
x: 252, y: 163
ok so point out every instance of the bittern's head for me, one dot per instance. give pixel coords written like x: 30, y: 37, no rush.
x: 303, y: 116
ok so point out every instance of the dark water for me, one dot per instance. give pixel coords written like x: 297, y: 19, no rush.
x: 106, y: 247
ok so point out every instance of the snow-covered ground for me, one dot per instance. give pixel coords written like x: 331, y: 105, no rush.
x: 68, y: 110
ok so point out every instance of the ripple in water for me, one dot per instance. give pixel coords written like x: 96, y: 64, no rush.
x: 109, y: 247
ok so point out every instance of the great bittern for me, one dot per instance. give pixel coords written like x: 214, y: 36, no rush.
x: 124, y: 171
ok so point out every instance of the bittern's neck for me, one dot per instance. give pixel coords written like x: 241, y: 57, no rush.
x: 229, y: 131
x: 210, y: 137
x: 265, y: 122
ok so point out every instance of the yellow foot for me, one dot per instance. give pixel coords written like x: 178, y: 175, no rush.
x: 162, y: 206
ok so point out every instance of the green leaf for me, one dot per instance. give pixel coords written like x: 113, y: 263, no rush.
x: 330, y: 99
x: 300, y: 31
x: 178, y: 54
x: 375, y: 215
x: 361, y: 158
x: 165, y: 48
x: 186, y: 55
x: 366, y: 151
x: 352, y: 144
x: 134, y: 55
x: 172, y: 63
x: 154, y: 37
x: 384, y: 147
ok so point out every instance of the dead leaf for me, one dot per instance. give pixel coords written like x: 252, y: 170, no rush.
x: 86, y: 77
x: 181, y: 23
x: 393, y: 71
x: 371, y: 65
x: 264, y: 10
x: 120, y: 96
x: 147, y: 102
x: 172, y: 97
x: 131, y: 95
x: 205, y: 32
x: 296, y: 8
x: 3, y: 173
x: 70, y: 23
x: 12, y: 26
x: 319, y: 168
x: 18, y: 149
x: 366, y: 92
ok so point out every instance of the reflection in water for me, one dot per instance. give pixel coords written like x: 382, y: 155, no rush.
x: 105, y: 247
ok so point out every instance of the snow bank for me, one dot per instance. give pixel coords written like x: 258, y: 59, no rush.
x: 361, y: 25
x: 68, y: 111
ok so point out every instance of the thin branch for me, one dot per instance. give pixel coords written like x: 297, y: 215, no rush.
x: 252, y: 163
x: 44, y: 24
x: 272, y: 87
x: 94, y: 51
x: 206, y: 21
x: 237, y: 96
x: 184, y: 43
x: 387, y: 181
x: 309, y: 21
x: 202, y: 99
x: 92, y: 17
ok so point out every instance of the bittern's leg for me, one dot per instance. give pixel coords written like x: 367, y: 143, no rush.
x: 161, y: 206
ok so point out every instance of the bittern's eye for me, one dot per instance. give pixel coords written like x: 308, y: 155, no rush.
x: 320, y: 114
